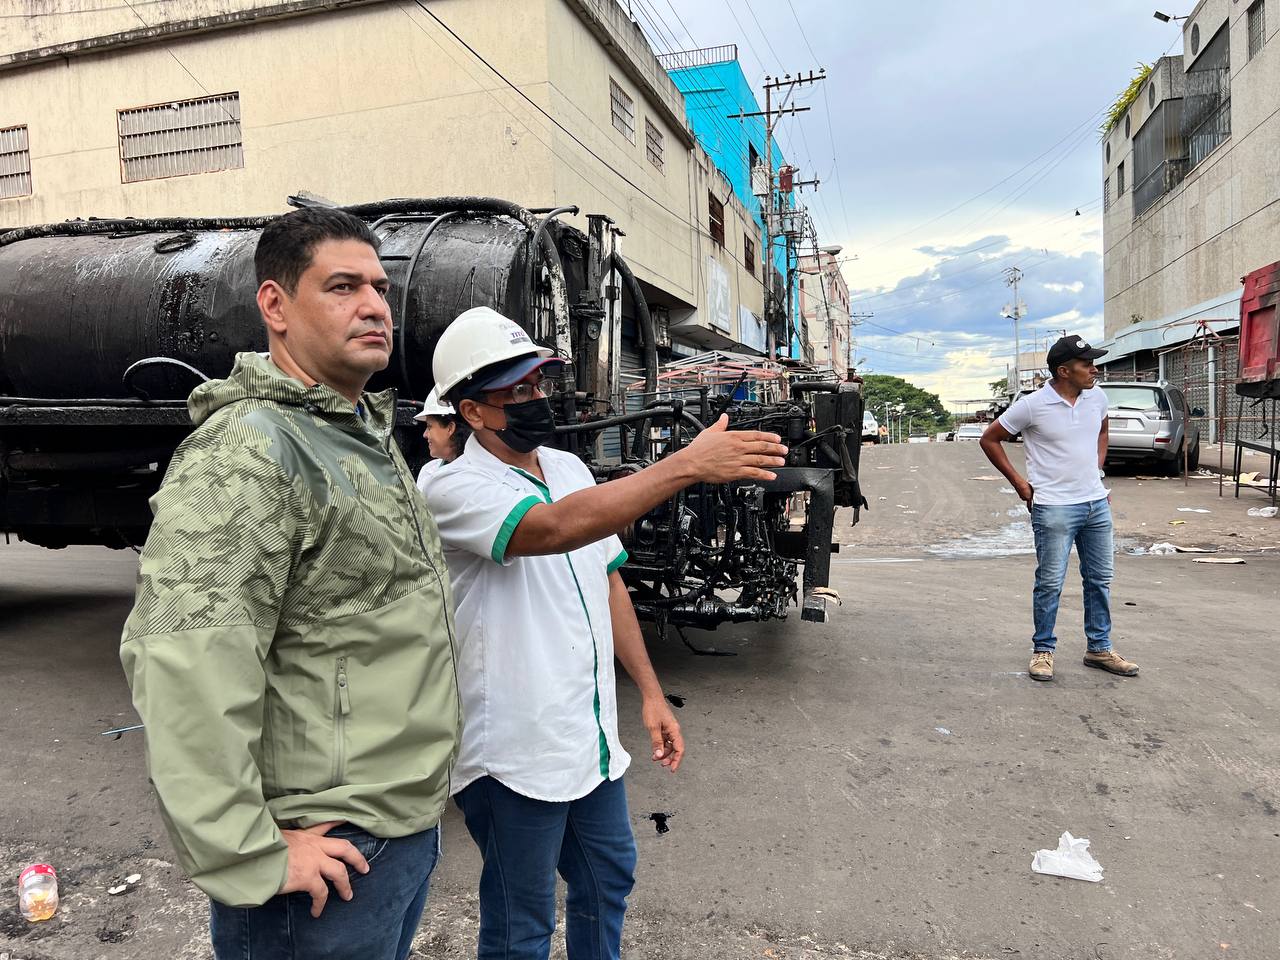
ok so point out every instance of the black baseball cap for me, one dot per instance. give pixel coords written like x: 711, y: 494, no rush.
x: 1072, y: 348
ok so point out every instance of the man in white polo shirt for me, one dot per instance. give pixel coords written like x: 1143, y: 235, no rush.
x: 1064, y: 427
x: 530, y: 540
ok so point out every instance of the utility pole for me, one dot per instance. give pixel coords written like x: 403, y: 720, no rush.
x: 770, y: 115
x: 854, y: 320
x: 1012, y: 277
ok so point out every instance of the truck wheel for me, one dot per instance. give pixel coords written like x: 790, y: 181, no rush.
x: 1193, y: 458
x: 1174, y: 467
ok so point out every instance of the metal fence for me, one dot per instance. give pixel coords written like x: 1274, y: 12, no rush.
x: 702, y: 57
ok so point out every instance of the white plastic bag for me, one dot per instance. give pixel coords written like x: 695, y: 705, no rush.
x: 1262, y: 511
x: 1072, y: 859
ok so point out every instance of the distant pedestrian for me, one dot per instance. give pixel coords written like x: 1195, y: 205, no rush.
x: 1064, y: 428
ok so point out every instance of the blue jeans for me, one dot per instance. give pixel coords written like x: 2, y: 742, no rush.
x: 1088, y: 526
x: 377, y: 923
x: 524, y: 842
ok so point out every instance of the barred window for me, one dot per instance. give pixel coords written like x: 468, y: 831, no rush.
x: 15, y: 162
x: 1120, y: 180
x: 749, y: 254
x: 1106, y: 195
x: 181, y: 138
x: 1257, y: 29
x: 623, y: 109
x: 1206, y: 109
x: 715, y: 213
x: 653, y: 143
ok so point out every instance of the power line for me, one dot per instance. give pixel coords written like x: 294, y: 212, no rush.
x: 999, y: 241
x: 573, y: 136
x: 964, y: 203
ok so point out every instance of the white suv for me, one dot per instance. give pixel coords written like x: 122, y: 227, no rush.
x: 870, y: 428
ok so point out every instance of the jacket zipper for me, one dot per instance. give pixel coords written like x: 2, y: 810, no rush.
x: 341, y: 711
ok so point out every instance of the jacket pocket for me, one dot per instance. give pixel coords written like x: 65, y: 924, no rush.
x: 341, y: 710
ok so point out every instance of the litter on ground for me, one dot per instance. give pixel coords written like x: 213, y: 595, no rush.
x: 1262, y: 511
x: 1072, y: 859
x: 1192, y: 510
x: 1217, y: 560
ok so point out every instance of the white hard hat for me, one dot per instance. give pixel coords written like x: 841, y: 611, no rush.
x: 478, y: 338
x: 434, y: 406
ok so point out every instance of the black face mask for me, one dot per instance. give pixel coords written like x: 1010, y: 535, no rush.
x: 529, y: 425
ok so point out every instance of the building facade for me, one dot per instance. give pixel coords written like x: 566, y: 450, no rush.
x: 824, y: 305
x: 1192, y: 186
x: 226, y: 107
x: 716, y: 91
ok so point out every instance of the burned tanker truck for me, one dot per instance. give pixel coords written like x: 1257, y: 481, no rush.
x: 107, y: 325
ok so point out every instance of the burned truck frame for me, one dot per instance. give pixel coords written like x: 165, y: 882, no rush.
x: 106, y: 325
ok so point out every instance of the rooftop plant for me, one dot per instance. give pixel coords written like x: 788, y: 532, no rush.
x: 1125, y: 100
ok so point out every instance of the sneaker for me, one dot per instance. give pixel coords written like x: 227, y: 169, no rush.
x: 1041, y: 666
x: 1112, y: 662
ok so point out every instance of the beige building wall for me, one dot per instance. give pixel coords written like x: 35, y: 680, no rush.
x: 359, y: 100
x: 1196, y: 242
x: 824, y: 305
x: 359, y: 104
x: 731, y: 312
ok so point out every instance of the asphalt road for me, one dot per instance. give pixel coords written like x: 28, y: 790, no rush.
x: 872, y: 787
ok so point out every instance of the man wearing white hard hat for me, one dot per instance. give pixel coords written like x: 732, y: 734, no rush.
x: 532, y: 548
x: 445, y: 432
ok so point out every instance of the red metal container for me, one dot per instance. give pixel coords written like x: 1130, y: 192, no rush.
x: 1260, y: 334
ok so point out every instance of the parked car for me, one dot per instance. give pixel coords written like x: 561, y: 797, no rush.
x: 945, y: 435
x: 970, y: 431
x: 918, y: 436
x: 870, y: 428
x: 1150, y: 422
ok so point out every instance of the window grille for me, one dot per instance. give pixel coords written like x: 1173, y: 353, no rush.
x: 15, y: 162
x: 623, y: 109
x: 715, y: 215
x: 1206, y: 110
x: 1106, y: 195
x: 181, y: 138
x: 1257, y: 29
x: 653, y: 143
x: 1120, y: 180
x: 1159, y: 155
x: 749, y: 254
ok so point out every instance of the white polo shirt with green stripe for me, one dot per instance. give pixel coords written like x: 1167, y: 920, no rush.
x: 535, y: 638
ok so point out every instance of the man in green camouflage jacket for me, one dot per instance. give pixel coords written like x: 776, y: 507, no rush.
x: 290, y: 650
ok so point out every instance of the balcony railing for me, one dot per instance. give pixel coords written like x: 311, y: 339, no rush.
x: 702, y: 57
x: 1158, y: 182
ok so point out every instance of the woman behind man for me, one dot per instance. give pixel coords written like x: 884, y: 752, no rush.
x: 445, y: 432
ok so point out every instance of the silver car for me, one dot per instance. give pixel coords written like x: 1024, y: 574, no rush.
x: 970, y: 431
x: 1150, y: 422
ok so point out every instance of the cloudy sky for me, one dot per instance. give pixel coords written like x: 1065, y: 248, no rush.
x: 954, y: 140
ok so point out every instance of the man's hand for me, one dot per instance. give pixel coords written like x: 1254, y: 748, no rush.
x: 315, y: 858
x: 664, y: 733
x: 1024, y: 490
x: 721, y: 455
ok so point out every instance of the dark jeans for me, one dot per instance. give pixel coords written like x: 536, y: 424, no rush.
x: 378, y: 923
x: 524, y: 842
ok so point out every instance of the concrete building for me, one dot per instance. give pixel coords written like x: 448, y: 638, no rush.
x: 1192, y: 192
x: 225, y: 107
x: 824, y: 305
x: 716, y: 89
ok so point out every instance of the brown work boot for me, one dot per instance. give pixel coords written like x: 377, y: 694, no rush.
x: 1112, y: 662
x: 1041, y: 666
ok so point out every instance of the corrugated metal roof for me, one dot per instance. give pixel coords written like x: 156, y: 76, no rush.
x: 1221, y: 313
